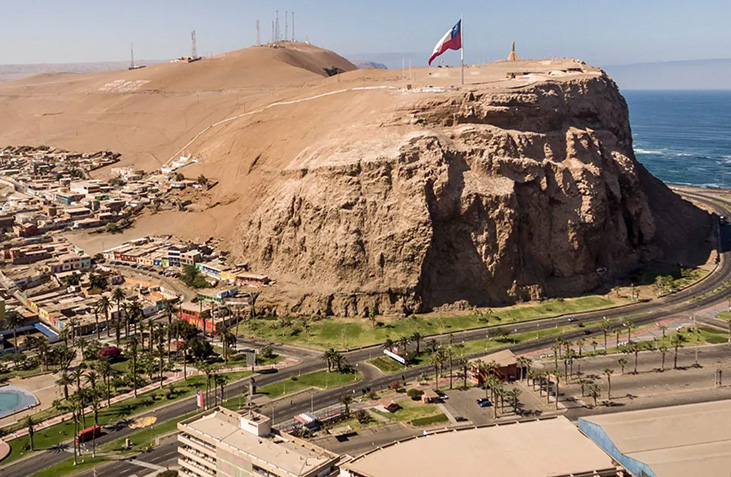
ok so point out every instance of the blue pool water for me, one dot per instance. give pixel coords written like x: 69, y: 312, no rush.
x: 14, y: 399
x: 683, y: 137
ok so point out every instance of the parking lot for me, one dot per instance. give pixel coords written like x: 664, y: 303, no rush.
x: 463, y: 403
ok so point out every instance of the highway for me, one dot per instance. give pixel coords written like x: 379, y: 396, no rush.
x: 699, y: 296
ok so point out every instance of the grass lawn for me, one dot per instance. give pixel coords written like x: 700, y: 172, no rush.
x: 411, y: 410
x: 144, y: 438
x: 67, y: 467
x: 343, y: 333
x: 64, y: 431
x: 317, y: 379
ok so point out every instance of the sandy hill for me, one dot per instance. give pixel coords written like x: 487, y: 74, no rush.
x: 398, y: 191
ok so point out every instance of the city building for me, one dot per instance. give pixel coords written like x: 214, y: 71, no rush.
x: 675, y: 441
x: 223, y: 443
x: 506, y: 369
x: 539, y: 448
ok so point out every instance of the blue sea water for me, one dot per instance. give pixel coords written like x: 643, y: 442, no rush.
x: 683, y: 137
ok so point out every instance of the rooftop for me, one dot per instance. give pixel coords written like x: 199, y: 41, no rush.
x: 294, y: 456
x: 693, y: 439
x: 534, y: 448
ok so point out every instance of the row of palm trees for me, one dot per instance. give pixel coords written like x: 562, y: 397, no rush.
x: 495, y: 389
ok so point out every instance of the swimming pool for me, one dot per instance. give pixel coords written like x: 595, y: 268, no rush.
x: 14, y: 399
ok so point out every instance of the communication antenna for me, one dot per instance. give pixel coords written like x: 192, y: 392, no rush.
x: 286, y: 25
x: 194, y: 47
x: 258, y: 34
x: 132, y: 51
x: 272, y: 31
x: 276, y: 30
x: 293, y: 37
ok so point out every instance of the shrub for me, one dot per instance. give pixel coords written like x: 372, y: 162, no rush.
x: 415, y: 394
x: 362, y: 416
x: 110, y: 353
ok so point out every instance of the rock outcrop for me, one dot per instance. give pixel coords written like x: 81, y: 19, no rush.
x: 491, y: 197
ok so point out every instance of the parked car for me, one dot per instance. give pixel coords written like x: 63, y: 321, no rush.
x: 460, y: 418
x: 482, y: 402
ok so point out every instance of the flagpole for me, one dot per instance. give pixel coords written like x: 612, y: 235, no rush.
x: 461, y: 49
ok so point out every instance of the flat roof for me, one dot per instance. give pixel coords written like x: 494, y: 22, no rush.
x: 534, y: 448
x: 291, y: 455
x: 691, y: 439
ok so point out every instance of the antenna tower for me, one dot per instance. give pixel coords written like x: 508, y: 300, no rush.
x: 276, y: 29
x: 132, y: 51
x: 293, y: 37
x: 272, y: 31
x: 258, y: 34
x: 286, y: 25
x: 194, y: 48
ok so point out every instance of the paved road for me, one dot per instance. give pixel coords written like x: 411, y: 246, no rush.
x: 686, y: 301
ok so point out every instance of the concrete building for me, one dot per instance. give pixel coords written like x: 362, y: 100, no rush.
x: 223, y: 443
x: 506, y: 369
x: 693, y: 439
x: 538, y: 448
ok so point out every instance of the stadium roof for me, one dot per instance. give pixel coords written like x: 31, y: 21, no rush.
x: 693, y: 439
x: 548, y: 447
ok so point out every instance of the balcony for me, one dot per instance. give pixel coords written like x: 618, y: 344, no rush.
x: 195, y: 468
x: 197, y: 444
x: 199, y: 457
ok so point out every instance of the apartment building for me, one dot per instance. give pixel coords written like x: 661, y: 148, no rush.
x: 223, y: 443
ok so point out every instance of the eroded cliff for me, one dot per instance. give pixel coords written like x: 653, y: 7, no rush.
x: 487, y: 196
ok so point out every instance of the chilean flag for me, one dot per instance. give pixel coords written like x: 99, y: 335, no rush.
x: 452, y: 40
x: 199, y: 399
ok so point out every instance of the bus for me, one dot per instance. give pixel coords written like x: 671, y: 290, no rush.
x: 88, y: 434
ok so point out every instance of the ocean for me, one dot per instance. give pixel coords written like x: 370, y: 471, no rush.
x: 683, y: 137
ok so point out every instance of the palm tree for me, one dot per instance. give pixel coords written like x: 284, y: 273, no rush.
x: 558, y: 380
x: 605, y: 325
x: 464, y: 364
x: 103, y: 305
x: 416, y: 338
x: 132, y: 349
x: 43, y: 351
x: 169, y: 310
x: 556, y: 348
x: 339, y: 362
x: 29, y: 422
x: 593, y: 391
x: 105, y: 370
x: 677, y: 342
x: 608, y: 372
x: 622, y: 362
x: 346, y: 400
x: 119, y: 297
x: 630, y: 326
x: 64, y: 381
x: 183, y: 352
x: 328, y: 356
x: 221, y: 380
x: 514, y: 394
x: 134, y: 315
x: 437, y: 360
x: 13, y: 320
x: 663, y: 348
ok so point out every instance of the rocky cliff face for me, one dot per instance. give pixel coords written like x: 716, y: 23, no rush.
x: 489, y: 196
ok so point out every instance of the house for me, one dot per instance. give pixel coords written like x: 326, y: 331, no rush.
x: 506, y: 369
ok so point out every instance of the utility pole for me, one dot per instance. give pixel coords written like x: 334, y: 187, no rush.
x: 258, y: 34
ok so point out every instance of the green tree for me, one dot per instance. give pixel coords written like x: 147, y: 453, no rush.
x: 417, y: 338
x: 605, y: 325
x: 608, y: 372
x: 13, y: 320
x: 30, y: 423
x: 119, y: 297
x: 622, y: 363
x: 65, y: 380
x: 346, y: 400
x: 103, y: 305
x: 132, y: 353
